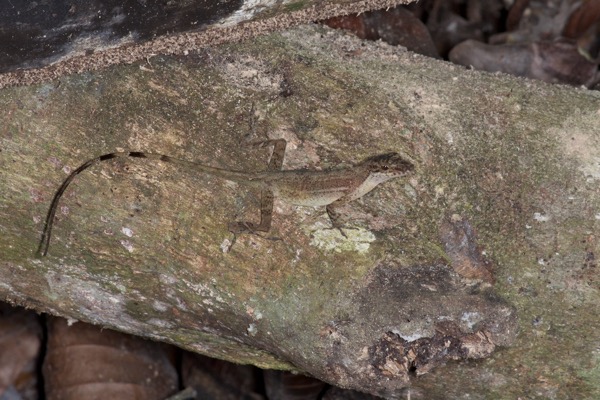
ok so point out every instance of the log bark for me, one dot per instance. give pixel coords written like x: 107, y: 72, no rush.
x: 474, y: 276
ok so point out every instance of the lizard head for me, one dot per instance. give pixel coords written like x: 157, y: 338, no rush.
x: 388, y: 166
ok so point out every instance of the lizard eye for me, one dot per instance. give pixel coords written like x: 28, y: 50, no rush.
x: 385, y: 167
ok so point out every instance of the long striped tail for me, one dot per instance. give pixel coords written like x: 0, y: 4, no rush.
x: 47, y: 233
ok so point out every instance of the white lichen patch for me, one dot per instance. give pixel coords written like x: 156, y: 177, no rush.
x: 225, y: 245
x: 410, y: 337
x: 167, y: 279
x: 159, y: 323
x: 211, y: 296
x: 160, y: 306
x: 252, y: 312
x: 252, y: 330
x: 249, y: 72
x: 540, y: 217
x: 356, y: 239
x: 128, y: 245
x: 127, y: 232
x: 92, y: 300
x: 470, y: 319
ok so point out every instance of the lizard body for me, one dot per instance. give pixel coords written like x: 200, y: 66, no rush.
x: 298, y: 187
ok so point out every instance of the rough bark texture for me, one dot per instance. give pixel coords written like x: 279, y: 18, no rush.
x: 487, y: 251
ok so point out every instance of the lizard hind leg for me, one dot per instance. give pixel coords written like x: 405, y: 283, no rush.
x: 266, y: 216
x: 266, y: 195
x: 266, y: 212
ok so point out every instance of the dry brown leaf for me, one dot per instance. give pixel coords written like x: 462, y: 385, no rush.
x: 286, y: 385
x: 396, y: 26
x: 20, y: 340
x: 217, y: 379
x: 580, y: 21
x: 86, y: 362
x: 554, y: 62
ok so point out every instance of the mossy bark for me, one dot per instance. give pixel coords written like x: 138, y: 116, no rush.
x: 492, y: 235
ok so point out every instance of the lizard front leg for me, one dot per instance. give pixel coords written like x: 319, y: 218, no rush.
x: 334, y: 215
x: 279, y: 145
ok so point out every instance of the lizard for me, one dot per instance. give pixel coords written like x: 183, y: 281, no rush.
x: 330, y: 188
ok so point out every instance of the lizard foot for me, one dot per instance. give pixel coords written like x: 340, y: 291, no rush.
x: 342, y: 230
x: 241, y: 227
x: 238, y: 228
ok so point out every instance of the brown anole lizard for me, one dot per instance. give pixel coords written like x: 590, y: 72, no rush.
x: 331, y: 188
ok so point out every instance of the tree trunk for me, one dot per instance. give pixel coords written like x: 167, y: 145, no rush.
x: 493, y: 234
